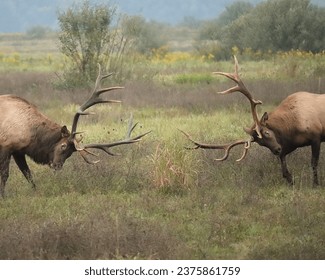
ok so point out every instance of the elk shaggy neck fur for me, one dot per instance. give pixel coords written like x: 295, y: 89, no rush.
x: 37, y: 134
x: 299, y: 120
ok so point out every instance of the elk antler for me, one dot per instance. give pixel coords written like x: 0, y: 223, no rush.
x: 226, y: 147
x: 93, y: 100
x: 257, y: 125
x: 242, y: 88
x: 105, y: 146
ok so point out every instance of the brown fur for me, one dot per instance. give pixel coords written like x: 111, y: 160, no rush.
x: 298, y: 121
x: 300, y: 117
x: 26, y: 131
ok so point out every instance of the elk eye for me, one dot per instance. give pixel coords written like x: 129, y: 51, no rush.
x: 267, y: 133
x: 64, y: 146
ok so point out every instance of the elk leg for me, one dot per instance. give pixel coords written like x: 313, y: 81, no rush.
x: 4, y: 172
x: 315, y: 149
x: 285, y: 172
x: 22, y: 164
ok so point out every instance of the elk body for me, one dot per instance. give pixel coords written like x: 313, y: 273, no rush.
x: 26, y: 131
x: 298, y: 121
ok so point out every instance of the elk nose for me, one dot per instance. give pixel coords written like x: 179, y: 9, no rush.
x: 56, y: 166
x: 278, y: 151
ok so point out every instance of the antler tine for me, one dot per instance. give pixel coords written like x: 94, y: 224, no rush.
x: 226, y: 147
x: 100, y: 77
x: 240, y: 87
x: 94, y: 99
x: 246, y: 147
x: 106, y: 146
x: 131, y: 127
x: 83, y: 155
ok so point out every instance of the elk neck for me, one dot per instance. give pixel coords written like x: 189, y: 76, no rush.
x: 46, y: 135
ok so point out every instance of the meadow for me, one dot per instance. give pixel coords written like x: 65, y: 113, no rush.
x: 158, y: 200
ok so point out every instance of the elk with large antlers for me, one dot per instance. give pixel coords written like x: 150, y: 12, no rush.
x: 26, y: 131
x: 298, y: 121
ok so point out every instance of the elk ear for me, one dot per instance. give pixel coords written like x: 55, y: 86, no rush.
x: 65, y: 132
x: 264, y: 118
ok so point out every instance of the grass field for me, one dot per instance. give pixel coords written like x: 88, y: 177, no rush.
x: 158, y: 200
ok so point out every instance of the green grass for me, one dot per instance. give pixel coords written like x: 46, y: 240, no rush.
x: 158, y: 200
x: 193, y: 78
x: 20, y: 55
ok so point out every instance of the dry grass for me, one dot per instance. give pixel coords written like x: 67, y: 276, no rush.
x: 158, y: 200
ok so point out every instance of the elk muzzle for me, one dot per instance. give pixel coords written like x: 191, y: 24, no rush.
x: 273, y: 146
x: 56, y: 166
x: 277, y: 151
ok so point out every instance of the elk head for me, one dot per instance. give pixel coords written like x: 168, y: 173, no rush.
x: 259, y: 132
x: 69, y: 141
x: 63, y: 149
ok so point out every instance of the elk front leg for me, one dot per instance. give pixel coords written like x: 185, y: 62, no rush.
x: 22, y: 164
x: 4, y: 172
x: 285, y: 172
x: 315, y: 150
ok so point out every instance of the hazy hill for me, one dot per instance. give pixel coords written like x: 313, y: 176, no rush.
x: 19, y: 15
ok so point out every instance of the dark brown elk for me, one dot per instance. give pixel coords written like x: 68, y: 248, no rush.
x: 26, y: 131
x: 298, y: 121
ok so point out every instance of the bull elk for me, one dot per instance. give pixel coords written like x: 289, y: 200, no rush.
x: 26, y: 131
x: 298, y: 121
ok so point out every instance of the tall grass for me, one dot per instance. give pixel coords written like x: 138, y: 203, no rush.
x: 158, y: 200
x: 181, y: 67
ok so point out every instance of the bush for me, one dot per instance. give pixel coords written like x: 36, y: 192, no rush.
x: 86, y: 39
x: 144, y: 36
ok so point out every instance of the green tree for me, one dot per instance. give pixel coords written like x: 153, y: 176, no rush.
x: 145, y: 36
x: 234, y: 11
x: 86, y: 38
x: 211, y: 35
x: 38, y: 32
x: 213, y: 29
x: 276, y: 25
x: 279, y: 25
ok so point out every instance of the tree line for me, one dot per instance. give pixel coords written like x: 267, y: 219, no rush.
x: 273, y: 25
x: 94, y: 33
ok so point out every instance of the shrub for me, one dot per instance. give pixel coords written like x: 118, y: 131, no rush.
x: 87, y: 38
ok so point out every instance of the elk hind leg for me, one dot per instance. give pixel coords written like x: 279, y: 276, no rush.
x: 20, y: 160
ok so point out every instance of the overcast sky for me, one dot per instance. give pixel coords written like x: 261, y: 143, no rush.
x: 19, y: 15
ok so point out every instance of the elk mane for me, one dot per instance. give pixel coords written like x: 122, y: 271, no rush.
x: 44, y: 140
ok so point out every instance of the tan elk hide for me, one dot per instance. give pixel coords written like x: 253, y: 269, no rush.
x: 26, y: 131
x: 298, y: 121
